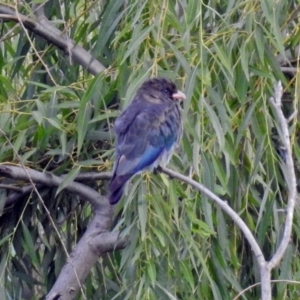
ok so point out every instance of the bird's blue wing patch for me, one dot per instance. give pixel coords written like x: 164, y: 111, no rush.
x: 148, y: 158
x: 127, y: 166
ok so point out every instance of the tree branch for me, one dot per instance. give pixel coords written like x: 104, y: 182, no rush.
x: 11, y: 187
x: 290, y: 70
x: 289, y: 56
x: 290, y: 178
x: 289, y: 174
x: 96, y: 241
x: 93, y: 176
x: 46, y: 30
x: 51, y: 180
x: 224, y: 206
x: 13, y: 198
x: 21, y: 191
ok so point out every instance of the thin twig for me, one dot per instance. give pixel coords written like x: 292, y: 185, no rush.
x: 258, y: 283
x: 224, y: 205
x: 93, y: 176
x: 15, y: 197
x: 290, y: 70
x: 11, y: 187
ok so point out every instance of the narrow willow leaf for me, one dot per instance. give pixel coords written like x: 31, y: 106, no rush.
x: 272, y: 61
x: 3, y: 197
x: 28, y: 154
x: 221, y: 173
x: 264, y: 199
x: 196, y: 149
x: 151, y: 271
x: 168, y: 294
x: 68, y: 104
x: 110, y: 19
x: 63, y: 142
x: 29, y: 245
x: 259, y: 42
x: 135, y: 83
x: 142, y: 209
x: 84, y: 113
x: 21, y: 139
x: 223, y: 58
x: 159, y: 235
x: 22, y: 50
x: 6, y: 84
x: 216, y: 124
x: 286, y: 270
x: 261, y: 72
x: 38, y: 116
x: 208, y: 181
x: 266, y: 221
x: 69, y: 178
x: 90, y: 162
x: 5, y: 116
x: 221, y: 109
x: 192, y: 12
x: 105, y: 116
x: 179, y: 56
x: 187, y: 274
x: 241, y: 84
x: 173, y: 198
x: 245, y: 123
x: 55, y: 123
x: 258, y: 158
x: 136, y: 40
x: 189, y: 88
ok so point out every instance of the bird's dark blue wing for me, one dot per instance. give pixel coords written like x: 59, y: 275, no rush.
x: 141, y: 140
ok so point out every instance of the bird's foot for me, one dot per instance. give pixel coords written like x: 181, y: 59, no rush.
x: 158, y: 169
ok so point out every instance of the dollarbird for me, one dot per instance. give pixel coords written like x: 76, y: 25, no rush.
x: 147, y: 132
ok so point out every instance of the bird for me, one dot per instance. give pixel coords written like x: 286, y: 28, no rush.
x: 147, y: 132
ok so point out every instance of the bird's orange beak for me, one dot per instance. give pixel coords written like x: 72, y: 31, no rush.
x: 179, y: 95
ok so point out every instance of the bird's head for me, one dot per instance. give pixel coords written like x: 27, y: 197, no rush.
x: 159, y: 90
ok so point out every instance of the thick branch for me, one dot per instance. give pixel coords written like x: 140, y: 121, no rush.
x: 46, y: 30
x: 95, y: 242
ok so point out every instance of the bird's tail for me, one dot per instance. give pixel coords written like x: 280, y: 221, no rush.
x: 116, y: 188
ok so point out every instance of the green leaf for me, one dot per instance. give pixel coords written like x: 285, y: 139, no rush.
x: 68, y: 179
x: 84, y: 113
x: 142, y: 210
x: 29, y: 245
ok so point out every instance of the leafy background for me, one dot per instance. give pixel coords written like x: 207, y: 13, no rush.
x: 55, y: 116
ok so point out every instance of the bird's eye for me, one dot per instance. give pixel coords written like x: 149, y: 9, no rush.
x: 166, y: 91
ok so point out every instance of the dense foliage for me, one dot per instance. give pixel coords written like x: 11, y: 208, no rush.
x: 55, y: 116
